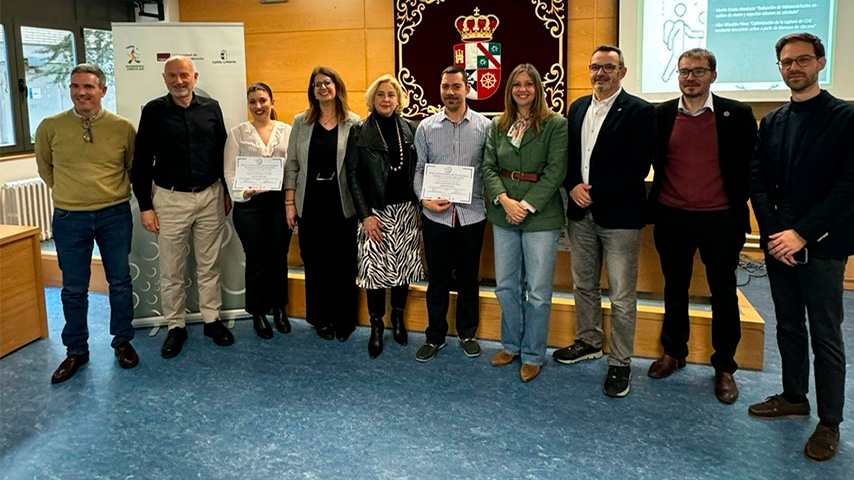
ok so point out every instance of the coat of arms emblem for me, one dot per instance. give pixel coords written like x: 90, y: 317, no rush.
x: 478, y: 54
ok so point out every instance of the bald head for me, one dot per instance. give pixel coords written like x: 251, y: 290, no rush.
x: 180, y: 76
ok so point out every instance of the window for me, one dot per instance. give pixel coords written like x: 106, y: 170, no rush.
x: 99, y: 51
x: 7, y: 125
x: 48, y: 60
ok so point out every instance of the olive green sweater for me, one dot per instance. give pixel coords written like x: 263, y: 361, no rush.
x: 86, y: 176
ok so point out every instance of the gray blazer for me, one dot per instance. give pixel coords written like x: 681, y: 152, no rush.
x: 296, y: 167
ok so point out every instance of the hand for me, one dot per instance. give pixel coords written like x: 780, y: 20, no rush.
x: 373, y: 228
x: 787, y: 259
x: 150, y: 221
x: 251, y: 192
x: 291, y: 211
x: 228, y: 204
x: 515, y: 211
x: 785, y: 244
x: 580, y: 194
x: 437, y: 206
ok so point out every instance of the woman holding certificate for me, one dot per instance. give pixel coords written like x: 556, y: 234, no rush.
x: 319, y: 201
x: 380, y: 175
x: 259, y: 214
x: 524, y: 164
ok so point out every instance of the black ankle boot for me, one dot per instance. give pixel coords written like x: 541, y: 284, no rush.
x: 280, y: 319
x: 397, y: 326
x: 262, y: 327
x: 375, y: 344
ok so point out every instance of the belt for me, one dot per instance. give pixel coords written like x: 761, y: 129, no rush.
x: 182, y: 189
x: 523, y: 176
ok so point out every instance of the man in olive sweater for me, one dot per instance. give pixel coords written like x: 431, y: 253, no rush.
x: 84, y: 155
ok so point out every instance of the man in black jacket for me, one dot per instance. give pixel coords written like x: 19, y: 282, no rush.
x: 802, y: 190
x: 699, y: 201
x: 611, y: 145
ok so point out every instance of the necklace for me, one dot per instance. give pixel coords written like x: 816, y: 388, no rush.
x: 399, y: 143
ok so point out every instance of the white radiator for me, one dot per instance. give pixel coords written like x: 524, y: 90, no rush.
x: 28, y: 202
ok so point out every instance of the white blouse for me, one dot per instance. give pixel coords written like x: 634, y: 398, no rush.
x: 244, y: 141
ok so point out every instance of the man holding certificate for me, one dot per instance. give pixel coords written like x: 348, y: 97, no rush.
x: 449, y: 184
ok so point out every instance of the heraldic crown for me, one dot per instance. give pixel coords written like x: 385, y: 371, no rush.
x: 477, y: 27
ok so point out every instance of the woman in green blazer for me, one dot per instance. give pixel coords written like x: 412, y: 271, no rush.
x: 524, y: 165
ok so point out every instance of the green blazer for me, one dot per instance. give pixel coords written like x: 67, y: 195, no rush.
x: 544, y: 153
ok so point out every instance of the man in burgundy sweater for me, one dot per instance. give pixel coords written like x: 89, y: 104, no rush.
x: 699, y: 201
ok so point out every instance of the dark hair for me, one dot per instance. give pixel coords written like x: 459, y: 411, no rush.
x: 341, y: 106
x: 801, y: 37
x: 700, y: 54
x: 539, y: 110
x: 455, y: 69
x: 611, y: 48
x: 265, y: 88
x: 93, y: 69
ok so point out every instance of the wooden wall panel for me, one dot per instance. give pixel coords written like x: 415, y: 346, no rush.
x: 293, y: 16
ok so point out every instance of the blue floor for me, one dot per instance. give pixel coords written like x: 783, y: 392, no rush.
x: 298, y: 407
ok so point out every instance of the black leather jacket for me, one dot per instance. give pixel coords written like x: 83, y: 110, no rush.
x: 368, y: 165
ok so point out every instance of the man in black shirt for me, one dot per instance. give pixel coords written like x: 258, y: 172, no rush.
x: 802, y: 191
x: 178, y: 181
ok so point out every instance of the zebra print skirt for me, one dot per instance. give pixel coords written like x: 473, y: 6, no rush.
x: 396, y: 260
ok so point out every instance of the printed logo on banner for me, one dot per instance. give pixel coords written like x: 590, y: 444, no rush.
x: 223, y: 59
x: 134, y: 62
x: 478, y: 54
x: 162, y: 57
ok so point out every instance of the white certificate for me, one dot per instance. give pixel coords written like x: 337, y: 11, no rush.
x: 454, y: 183
x: 263, y: 173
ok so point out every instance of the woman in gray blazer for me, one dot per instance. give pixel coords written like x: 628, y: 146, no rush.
x: 318, y: 199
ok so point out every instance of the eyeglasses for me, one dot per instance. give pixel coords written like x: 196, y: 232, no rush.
x: 802, y: 61
x: 698, y: 72
x: 323, y: 84
x: 87, y: 134
x: 607, y: 68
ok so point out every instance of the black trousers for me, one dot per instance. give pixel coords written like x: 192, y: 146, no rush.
x: 453, y: 262
x: 376, y: 299
x: 262, y: 226
x: 814, y: 291
x: 720, y: 237
x: 327, y: 243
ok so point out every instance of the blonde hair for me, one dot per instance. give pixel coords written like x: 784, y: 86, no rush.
x: 402, y: 96
x: 539, y: 110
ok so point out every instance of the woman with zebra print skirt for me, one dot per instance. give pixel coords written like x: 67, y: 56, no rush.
x: 380, y: 169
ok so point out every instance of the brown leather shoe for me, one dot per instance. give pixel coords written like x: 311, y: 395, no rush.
x: 69, y: 367
x: 529, y: 372
x: 127, y: 355
x: 665, y: 366
x: 725, y: 388
x: 503, y: 358
x: 823, y: 444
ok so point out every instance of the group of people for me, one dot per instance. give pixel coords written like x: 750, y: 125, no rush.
x: 353, y: 188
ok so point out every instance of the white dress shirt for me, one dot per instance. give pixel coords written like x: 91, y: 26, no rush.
x: 708, y: 105
x: 593, y: 120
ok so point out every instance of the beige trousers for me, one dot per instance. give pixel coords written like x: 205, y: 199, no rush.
x: 201, y: 215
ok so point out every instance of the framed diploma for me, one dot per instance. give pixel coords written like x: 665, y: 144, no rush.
x: 454, y: 183
x: 263, y: 173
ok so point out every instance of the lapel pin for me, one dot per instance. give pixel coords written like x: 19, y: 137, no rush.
x: 726, y: 114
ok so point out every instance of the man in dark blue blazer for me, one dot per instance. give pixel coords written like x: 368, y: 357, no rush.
x: 611, y: 145
x: 698, y: 200
x: 802, y: 190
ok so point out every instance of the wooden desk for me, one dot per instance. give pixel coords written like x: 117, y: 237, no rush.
x: 23, y: 315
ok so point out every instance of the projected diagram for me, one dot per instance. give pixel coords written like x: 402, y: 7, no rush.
x: 680, y: 34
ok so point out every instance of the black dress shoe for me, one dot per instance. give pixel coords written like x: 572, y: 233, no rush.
x: 375, y: 343
x: 398, y: 327
x: 344, y: 336
x: 219, y: 333
x: 127, y: 355
x: 69, y: 367
x: 326, y: 333
x: 280, y: 319
x: 262, y: 327
x: 174, y: 342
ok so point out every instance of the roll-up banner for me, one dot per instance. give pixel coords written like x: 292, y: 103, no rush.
x: 140, y: 51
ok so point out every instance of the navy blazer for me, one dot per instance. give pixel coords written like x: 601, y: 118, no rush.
x: 736, y: 128
x: 619, y: 163
x: 822, y: 178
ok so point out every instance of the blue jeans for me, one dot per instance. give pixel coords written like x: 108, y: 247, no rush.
x: 74, y: 233
x: 524, y: 273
